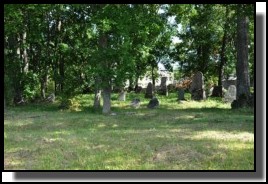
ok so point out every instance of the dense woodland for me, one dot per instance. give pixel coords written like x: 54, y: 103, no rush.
x: 69, y: 49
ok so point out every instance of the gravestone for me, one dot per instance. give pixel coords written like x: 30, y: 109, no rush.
x: 153, y: 103
x: 135, y: 103
x: 163, y: 87
x: 51, y: 97
x: 210, y: 91
x: 181, y: 94
x: 122, y: 96
x: 230, y: 95
x: 149, y: 91
x: 197, y: 87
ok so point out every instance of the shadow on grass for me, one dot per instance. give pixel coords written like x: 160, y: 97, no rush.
x: 138, y: 119
x: 147, y: 150
x: 168, y: 137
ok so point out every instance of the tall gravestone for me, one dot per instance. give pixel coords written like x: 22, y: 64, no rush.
x: 197, y: 87
x: 181, y: 94
x: 230, y: 95
x: 122, y: 96
x: 149, y: 91
x: 163, y: 87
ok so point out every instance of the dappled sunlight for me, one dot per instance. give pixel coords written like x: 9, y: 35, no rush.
x: 51, y: 140
x: 184, y: 117
x: 101, y: 125
x: 189, y: 135
x: 223, y: 135
x: 60, y: 133
x: 236, y: 147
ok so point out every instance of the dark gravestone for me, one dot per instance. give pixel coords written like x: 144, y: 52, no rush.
x: 197, y: 87
x: 163, y: 87
x: 122, y: 96
x: 217, y: 91
x: 149, y: 91
x: 135, y: 103
x: 181, y: 94
x: 153, y: 103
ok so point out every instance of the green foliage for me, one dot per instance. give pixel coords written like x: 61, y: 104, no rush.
x: 31, y: 87
x: 63, y: 48
x: 63, y: 43
x: 71, y: 104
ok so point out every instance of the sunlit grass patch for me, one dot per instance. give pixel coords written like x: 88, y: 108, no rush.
x: 205, y: 135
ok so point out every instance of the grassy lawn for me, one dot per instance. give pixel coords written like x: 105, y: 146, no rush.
x: 191, y: 135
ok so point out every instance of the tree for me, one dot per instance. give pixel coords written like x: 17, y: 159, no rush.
x: 242, y: 68
x: 200, y: 34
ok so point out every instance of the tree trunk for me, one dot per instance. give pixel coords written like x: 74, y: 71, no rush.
x: 221, y: 64
x: 137, y: 81
x: 4, y: 103
x: 18, y: 88
x: 44, y: 85
x: 61, y: 71
x: 106, y: 100
x: 153, y: 77
x: 131, y: 86
x: 24, y: 55
x: 242, y: 71
x: 97, y: 97
x: 222, y: 55
x: 106, y: 83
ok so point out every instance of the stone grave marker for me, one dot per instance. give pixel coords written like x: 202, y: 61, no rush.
x: 163, y: 87
x: 197, y: 87
x: 230, y: 95
x: 122, y: 96
x: 153, y: 103
x: 149, y: 91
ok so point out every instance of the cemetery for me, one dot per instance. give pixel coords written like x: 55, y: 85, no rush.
x: 129, y: 87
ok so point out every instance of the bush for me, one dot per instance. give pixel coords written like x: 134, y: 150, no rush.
x: 72, y: 104
x: 31, y: 88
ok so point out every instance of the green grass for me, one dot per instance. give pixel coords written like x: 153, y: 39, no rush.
x: 204, y: 135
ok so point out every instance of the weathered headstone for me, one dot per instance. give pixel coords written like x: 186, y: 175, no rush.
x: 135, y: 103
x: 122, y: 96
x: 210, y: 91
x: 197, y: 87
x: 181, y: 94
x: 230, y: 95
x: 149, y: 91
x: 230, y: 81
x: 51, y: 97
x: 163, y: 87
x: 153, y: 103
